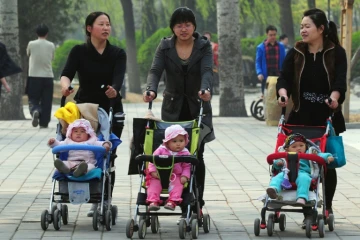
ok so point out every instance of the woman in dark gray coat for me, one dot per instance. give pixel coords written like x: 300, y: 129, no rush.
x: 187, y: 60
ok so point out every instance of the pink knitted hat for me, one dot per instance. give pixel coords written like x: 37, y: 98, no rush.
x: 83, y: 123
x: 173, y: 131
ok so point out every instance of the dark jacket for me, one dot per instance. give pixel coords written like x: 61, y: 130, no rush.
x: 335, y: 64
x: 7, y: 65
x: 183, y: 86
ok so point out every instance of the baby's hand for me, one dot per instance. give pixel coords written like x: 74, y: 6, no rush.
x: 154, y: 175
x: 330, y: 159
x: 106, y: 146
x: 183, y: 179
x: 51, y: 141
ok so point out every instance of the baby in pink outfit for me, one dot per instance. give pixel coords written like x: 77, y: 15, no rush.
x: 176, y: 138
x: 79, y: 161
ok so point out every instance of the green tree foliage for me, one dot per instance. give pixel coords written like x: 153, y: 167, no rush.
x: 146, y: 52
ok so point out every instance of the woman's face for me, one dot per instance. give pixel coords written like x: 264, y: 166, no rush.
x: 309, y: 32
x: 184, y: 31
x: 101, y: 28
x: 79, y: 135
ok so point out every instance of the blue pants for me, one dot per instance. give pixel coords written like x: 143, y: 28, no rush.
x: 303, y: 182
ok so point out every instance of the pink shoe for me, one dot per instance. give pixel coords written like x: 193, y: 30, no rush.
x: 170, y: 206
x: 301, y: 201
x: 154, y: 206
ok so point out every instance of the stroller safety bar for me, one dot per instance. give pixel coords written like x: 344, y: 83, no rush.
x: 67, y: 148
x: 306, y: 156
x: 167, y: 159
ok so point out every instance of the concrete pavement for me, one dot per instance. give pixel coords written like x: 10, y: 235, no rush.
x: 237, y: 174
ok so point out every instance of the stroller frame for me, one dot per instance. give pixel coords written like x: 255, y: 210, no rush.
x: 57, y: 212
x: 193, y: 220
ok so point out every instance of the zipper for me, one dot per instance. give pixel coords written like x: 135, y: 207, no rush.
x: 302, y: 69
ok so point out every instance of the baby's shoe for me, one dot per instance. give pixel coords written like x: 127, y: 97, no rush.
x: 93, y: 208
x: 81, y: 169
x: 170, y: 205
x: 154, y: 206
x: 301, y: 201
x: 286, y: 184
x: 61, y: 167
x: 271, y: 192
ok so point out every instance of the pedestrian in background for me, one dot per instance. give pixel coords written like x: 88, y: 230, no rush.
x: 215, y: 49
x: 40, y: 84
x: 285, y: 41
x: 270, y: 55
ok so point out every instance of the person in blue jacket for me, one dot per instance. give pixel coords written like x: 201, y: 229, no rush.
x: 270, y: 55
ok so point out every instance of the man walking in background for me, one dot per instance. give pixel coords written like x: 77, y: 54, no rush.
x: 269, y: 57
x: 40, y: 85
x: 285, y: 41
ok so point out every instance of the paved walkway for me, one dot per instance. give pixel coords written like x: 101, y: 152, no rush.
x: 237, y: 174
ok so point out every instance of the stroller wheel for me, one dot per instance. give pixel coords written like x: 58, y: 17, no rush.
x: 44, y: 219
x: 65, y: 214
x: 53, y: 208
x: 308, y: 228
x: 142, y: 229
x: 206, y: 223
x: 331, y: 222
x: 182, y: 229
x: 194, y: 229
x: 154, y: 224
x: 270, y: 225
x: 108, y: 220
x: 114, y: 213
x: 95, y: 220
x: 282, y: 222
x: 130, y: 228
x: 321, y: 228
x: 57, y: 219
x: 257, y: 227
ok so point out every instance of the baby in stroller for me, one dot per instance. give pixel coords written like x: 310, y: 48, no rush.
x: 79, y: 161
x: 295, y: 143
x: 176, y: 139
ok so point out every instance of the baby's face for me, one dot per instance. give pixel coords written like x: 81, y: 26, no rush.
x: 79, y: 135
x: 177, y: 144
x: 298, y: 147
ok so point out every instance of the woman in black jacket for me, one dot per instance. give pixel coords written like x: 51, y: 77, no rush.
x: 101, y: 69
x: 314, y: 70
x: 187, y: 59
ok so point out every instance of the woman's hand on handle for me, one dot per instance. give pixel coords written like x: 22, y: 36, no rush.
x: 332, y: 101
x: 283, y: 99
x: 148, y: 96
x: 205, y: 95
x: 66, y: 90
x: 110, y: 92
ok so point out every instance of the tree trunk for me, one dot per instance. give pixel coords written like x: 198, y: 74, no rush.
x: 232, y: 101
x: 149, y: 18
x: 286, y: 20
x: 11, y: 107
x: 311, y: 4
x: 132, y: 66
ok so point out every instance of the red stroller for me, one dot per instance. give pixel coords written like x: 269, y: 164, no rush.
x: 316, y: 138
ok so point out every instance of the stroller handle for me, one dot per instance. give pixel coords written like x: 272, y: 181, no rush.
x: 306, y: 156
x: 167, y: 159
x: 150, y: 103
x: 66, y: 148
x: 63, y: 98
x: 283, y: 109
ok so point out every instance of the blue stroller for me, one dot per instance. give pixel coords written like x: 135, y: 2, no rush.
x: 93, y: 187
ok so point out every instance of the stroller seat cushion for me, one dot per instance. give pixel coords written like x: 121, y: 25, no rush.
x: 93, y: 174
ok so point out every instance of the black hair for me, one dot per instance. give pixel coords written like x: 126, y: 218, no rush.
x: 42, y: 30
x: 319, y: 18
x: 270, y: 28
x: 182, y: 15
x: 283, y: 36
x: 90, y: 19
